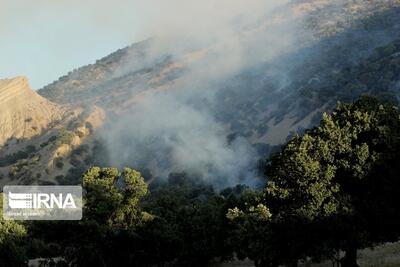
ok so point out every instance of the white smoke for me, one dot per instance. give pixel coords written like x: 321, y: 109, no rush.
x: 174, y: 129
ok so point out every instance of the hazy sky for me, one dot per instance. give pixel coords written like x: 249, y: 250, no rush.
x: 44, y: 39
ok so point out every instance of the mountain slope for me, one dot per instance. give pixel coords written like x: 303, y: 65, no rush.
x: 212, y: 109
x: 198, y: 109
x: 23, y: 113
x: 41, y: 142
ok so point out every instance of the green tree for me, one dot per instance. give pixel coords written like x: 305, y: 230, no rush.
x: 189, y: 227
x: 330, y: 189
x: 113, y: 199
x: 13, y: 237
x: 112, y: 214
x: 251, y: 234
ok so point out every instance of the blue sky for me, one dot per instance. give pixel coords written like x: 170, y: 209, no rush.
x: 45, y: 39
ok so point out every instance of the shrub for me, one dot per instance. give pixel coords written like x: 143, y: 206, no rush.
x: 75, y: 162
x: 15, y: 157
x: 59, y: 164
x: 13, y: 172
x: 80, y: 150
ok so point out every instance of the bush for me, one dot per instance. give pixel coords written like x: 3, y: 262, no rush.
x: 75, y: 162
x: 13, y: 172
x: 80, y: 150
x: 74, y: 176
x: 59, y: 164
x: 15, y: 157
x: 65, y: 137
x: 30, y: 149
x: 50, y: 140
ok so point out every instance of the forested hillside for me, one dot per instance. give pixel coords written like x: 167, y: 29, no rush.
x: 330, y: 192
x: 273, y: 143
x: 251, y: 98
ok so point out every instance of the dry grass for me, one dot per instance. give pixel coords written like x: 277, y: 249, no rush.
x: 387, y: 255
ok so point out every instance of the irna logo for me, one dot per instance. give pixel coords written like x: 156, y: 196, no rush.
x: 42, y: 202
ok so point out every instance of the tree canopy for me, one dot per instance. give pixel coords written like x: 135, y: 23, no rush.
x: 336, y: 187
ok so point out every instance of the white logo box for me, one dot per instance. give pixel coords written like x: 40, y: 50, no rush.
x: 47, y: 202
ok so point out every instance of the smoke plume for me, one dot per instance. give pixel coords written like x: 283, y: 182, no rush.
x: 176, y: 129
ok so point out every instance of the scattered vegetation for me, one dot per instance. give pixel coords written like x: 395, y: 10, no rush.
x: 64, y: 137
x: 333, y: 189
x: 338, y: 183
x: 330, y: 190
x: 13, y: 240
x: 15, y: 157
x: 49, y: 141
x: 59, y: 163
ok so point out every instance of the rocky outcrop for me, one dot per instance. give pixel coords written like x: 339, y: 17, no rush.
x: 23, y: 113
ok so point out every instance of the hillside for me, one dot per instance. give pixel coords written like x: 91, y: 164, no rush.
x: 252, y: 97
x: 341, y: 32
x: 269, y: 136
x: 242, y: 94
x: 38, y: 138
x: 23, y: 113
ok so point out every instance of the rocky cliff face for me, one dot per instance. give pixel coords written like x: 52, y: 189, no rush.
x: 23, y: 113
x: 42, y: 142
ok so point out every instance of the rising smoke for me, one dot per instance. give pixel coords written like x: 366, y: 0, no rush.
x: 175, y: 129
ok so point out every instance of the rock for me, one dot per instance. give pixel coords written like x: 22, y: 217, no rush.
x: 23, y: 112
